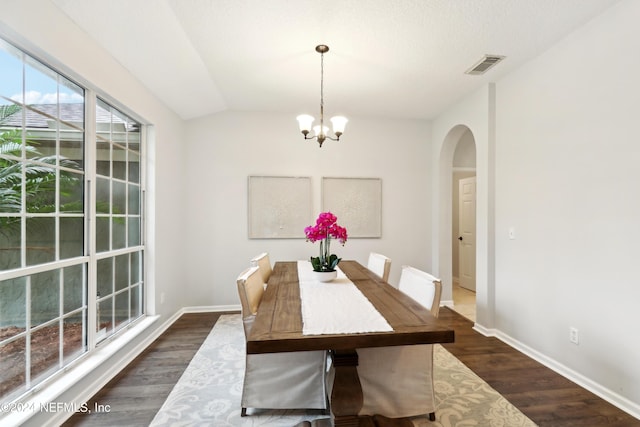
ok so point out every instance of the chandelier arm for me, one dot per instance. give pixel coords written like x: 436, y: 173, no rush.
x: 337, y: 138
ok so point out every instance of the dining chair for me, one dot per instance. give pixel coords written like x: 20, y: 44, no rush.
x: 398, y: 381
x: 264, y: 263
x: 422, y: 287
x: 293, y: 380
x: 380, y: 265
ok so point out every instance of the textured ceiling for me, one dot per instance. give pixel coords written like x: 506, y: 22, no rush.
x: 387, y: 58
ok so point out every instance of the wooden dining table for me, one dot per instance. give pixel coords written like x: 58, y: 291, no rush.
x: 278, y: 327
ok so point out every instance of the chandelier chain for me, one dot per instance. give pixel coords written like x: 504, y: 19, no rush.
x: 322, y: 92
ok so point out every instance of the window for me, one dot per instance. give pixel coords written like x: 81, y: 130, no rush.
x: 62, y: 218
x: 118, y: 219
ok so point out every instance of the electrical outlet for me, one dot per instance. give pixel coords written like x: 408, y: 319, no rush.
x: 573, y: 335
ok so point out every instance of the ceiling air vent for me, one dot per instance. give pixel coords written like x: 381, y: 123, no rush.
x: 484, y: 64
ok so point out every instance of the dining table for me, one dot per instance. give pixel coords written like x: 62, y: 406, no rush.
x: 298, y: 314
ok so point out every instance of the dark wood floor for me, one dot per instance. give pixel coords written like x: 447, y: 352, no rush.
x: 550, y: 400
x: 136, y: 394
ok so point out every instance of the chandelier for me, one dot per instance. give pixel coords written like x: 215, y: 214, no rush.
x: 321, y: 132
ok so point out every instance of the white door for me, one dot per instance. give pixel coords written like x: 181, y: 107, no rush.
x: 467, y: 229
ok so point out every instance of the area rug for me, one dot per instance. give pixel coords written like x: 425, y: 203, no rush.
x: 208, y: 393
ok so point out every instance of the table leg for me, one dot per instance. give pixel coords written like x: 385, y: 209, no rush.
x: 346, y: 397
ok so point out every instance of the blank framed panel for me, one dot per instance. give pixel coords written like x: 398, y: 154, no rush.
x: 279, y: 207
x: 357, y: 202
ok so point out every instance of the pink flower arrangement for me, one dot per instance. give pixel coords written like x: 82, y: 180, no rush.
x: 326, y: 228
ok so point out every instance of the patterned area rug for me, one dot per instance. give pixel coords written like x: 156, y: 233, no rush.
x: 208, y: 393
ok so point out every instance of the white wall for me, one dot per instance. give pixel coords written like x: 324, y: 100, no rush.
x: 567, y: 154
x: 464, y: 156
x: 567, y: 161
x: 224, y: 149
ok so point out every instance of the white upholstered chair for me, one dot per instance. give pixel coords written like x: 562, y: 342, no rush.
x: 380, y: 265
x: 422, y: 287
x: 295, y: 380
x: 264, y: 263
x: 398, y: 381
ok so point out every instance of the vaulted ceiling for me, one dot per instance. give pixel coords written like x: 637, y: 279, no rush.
x: 387, y: 58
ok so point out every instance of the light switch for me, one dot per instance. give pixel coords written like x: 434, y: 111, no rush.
x: 512, y: 233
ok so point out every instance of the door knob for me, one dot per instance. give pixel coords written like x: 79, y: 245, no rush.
x: 460, y: 238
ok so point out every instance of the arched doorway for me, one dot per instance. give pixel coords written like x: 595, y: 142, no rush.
x: 463, y: 256
x: 448, y: 130
x: 443, y: 231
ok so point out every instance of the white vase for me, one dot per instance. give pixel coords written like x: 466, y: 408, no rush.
x: 325, y: 276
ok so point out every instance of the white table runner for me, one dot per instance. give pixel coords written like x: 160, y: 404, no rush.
x: 336, y: 307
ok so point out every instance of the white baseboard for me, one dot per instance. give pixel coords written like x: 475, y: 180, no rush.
x: 484, y: 331
x: 447, y: 303
x: 210, y: 308
x: 621, y: 402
